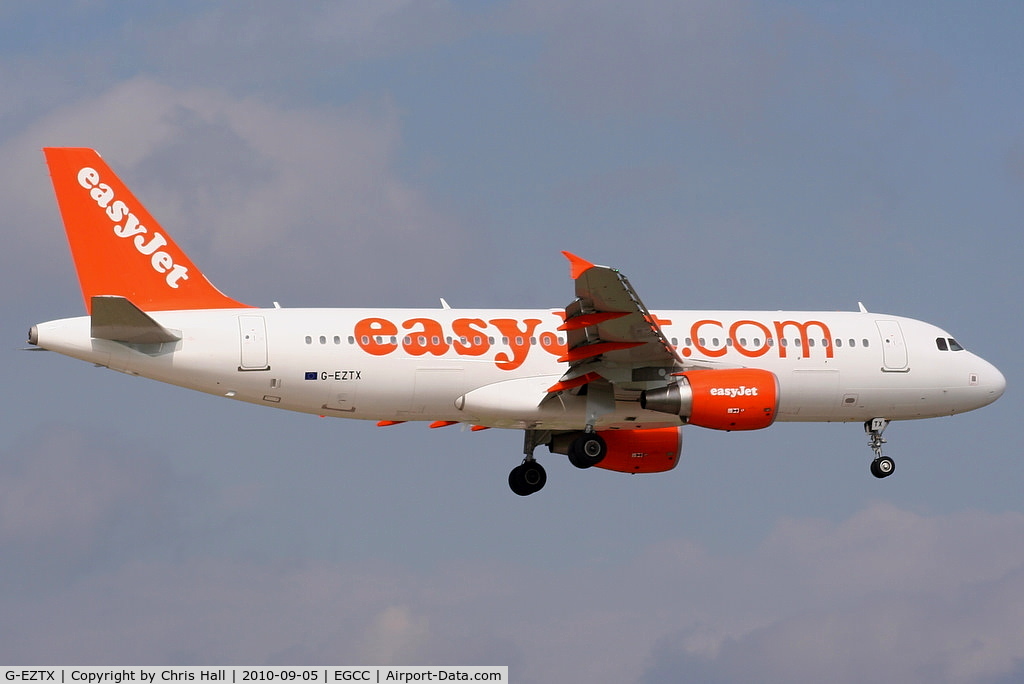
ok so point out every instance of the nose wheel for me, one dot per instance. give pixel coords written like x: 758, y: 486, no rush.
x: 882, y: 466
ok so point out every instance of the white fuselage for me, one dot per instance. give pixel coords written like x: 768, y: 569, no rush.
x: 492, y: 367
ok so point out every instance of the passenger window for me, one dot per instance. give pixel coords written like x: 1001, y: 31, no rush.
x: 853, y: 342
x: 309, y: 340
x: 865, y: 343
x: 940, y: 342
x: 810, y: 343
x: 337, y: 340
x: 839, y: 342
x: 323, y: 339
x: 953, y: 346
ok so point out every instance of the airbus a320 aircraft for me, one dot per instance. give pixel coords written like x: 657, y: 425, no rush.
x: 603, y: 380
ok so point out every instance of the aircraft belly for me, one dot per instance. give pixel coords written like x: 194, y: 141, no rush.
x: 521, y: 403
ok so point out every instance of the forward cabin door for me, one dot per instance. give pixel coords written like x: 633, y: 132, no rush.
x: 894, y: 348
x: 252, y: 332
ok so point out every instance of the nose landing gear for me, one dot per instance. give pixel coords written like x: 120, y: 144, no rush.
x: 882, y: 466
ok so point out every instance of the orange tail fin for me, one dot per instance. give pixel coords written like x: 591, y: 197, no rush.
x: 118, y: 247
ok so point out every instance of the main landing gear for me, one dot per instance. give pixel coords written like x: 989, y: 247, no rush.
x: 882, y: 466
x: 527, y: 478
x: 586, y: 450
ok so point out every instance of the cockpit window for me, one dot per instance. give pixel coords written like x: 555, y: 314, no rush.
x: 947, y: 344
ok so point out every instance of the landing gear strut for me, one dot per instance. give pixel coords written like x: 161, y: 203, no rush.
x: 882, y: 466
x: 529, y: 477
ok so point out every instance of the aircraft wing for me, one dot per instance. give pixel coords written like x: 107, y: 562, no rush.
x: 612, y: 338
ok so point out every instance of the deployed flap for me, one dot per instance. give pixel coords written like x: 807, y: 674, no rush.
x: 117, y: 319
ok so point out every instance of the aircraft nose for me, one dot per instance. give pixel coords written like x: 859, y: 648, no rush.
x: 998, y: 383
x: 993, y: 381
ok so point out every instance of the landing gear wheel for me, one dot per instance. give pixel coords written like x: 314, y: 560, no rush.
x: 527, y: 478
x: 883, y: 466
x: 587, y: 450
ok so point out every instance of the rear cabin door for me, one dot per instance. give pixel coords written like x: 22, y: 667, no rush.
x: 253, y: 335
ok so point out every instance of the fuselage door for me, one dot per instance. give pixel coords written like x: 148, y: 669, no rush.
x: 894, y: 347
x: 253, y: 335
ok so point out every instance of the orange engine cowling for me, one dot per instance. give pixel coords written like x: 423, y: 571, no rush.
x: 642, y: 451
x: 727, y: 399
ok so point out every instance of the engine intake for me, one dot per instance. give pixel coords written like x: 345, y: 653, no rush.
x: 728, y: 399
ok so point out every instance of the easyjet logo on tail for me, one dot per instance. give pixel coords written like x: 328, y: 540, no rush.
x: 127, y: 226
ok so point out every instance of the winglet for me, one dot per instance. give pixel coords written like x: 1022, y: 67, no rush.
x: 118, y: 247
x: 577, y: 265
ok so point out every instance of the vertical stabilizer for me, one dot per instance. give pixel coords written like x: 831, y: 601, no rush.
x: 118, y: 247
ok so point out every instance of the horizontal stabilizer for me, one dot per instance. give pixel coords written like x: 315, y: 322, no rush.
x: 117, y: 319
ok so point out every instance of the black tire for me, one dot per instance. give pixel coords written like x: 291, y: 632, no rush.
x: 534, y: 476
x: 886, y: 466
x: 882, y: 467
x: 587, y: 450
x: 527, y: 478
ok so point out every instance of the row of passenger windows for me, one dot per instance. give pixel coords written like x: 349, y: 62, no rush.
x: 716, y: 342
x: 755, y: 343
x: 947, y: 344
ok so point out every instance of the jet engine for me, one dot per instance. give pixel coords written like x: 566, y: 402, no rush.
x: 726, y: 399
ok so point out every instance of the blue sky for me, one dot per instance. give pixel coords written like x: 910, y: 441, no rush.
x: 722, y: 154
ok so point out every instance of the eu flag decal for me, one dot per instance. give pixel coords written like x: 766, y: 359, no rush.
x: 311, y: 375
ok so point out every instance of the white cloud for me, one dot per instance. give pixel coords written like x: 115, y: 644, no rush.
x: 263, y: 194
x: 884, y: 594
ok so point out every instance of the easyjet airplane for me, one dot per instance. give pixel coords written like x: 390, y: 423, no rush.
x: 603, y: 380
